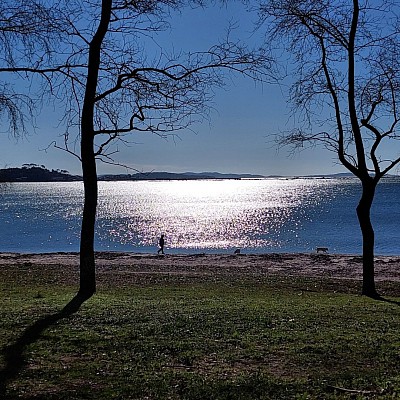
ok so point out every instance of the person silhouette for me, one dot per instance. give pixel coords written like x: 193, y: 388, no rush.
x: 161, y: 243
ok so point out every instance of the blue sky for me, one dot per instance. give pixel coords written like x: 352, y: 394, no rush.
x: 235, y: 139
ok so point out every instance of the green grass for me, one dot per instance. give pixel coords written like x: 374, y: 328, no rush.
x: 197, y: 339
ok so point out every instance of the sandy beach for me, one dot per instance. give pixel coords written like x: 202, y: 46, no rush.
x: 133, y: 264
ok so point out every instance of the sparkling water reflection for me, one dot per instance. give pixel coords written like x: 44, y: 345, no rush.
x: 204, y: 214
x: 213, y: 216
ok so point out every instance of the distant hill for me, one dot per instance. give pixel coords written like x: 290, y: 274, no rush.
x: 39, y: 173
x: 36, y: 173
x: 176, y: 176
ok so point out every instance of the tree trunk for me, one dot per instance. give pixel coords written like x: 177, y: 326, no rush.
x: 87, y: 261
x: 368, y: 238
x: 87, y: 285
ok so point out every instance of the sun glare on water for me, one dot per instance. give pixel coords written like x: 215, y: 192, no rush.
x: 267, y: 215
x: 197, y: 214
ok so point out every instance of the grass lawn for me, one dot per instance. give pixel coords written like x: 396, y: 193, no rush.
x: 181, y: 338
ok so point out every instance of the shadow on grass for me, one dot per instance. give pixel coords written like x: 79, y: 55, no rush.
x: 383, y: 299
x: 14, y: 354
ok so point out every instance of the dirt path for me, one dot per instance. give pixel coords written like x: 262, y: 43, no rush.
x: 299, y: 264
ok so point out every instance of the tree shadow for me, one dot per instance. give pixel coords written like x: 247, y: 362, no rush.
x: 379, y: 297
x: 383, y: 299
x: 14, y: 354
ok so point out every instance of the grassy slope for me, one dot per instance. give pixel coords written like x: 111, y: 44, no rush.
x: 197, y: 339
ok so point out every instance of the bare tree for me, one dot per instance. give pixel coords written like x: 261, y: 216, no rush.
x: 347, y: 67
x: 121, y: 81
x: 28, y: 36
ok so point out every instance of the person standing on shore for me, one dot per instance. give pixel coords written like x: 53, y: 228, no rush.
x: 161, y: 243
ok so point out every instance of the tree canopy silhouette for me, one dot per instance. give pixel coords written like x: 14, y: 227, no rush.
x: 29, y: 33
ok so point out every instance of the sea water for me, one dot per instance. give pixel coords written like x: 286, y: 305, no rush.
x: 213, y: 216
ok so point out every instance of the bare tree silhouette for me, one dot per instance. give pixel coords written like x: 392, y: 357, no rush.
x: 345, y: 91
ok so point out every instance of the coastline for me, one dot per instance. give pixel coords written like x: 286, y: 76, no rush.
x: 312, y: 265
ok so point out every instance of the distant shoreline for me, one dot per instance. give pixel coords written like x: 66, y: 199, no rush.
x: 36, y: 173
